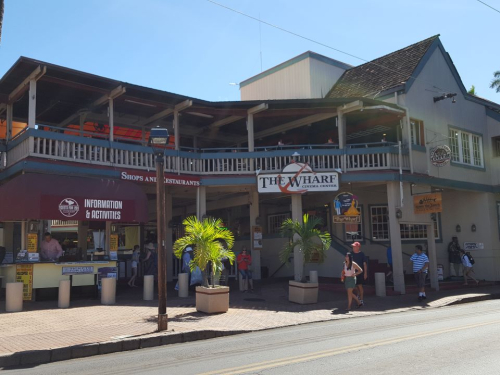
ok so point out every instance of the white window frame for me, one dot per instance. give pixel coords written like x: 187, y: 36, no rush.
x: 377, y: 223
x: 272, y: 220
x: 416, y: 130
x: 471, y: 157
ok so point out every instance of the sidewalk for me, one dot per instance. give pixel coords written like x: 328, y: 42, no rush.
x: 88, y: 328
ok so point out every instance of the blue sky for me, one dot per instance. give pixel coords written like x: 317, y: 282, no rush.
x: 196, y: 48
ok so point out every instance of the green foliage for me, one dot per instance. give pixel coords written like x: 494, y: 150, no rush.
x: 209, y: 241
x: 495, y: 83
x: 472, y: 90
x: 306, y: 239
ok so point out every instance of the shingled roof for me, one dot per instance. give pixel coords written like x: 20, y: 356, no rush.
x: 381, y: 74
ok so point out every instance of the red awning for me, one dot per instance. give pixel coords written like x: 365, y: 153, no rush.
x: 52, y: 197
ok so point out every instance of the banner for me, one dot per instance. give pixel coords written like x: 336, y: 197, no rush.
x: 150, y: 177
x: 24, y: 274
x: 297, y: 178
x: 346, y: 208
x: 257, y: 237
x: 427, y: 203
x: 32, y: 242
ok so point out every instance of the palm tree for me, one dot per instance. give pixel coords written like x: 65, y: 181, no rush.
x: 307, y: 239
x: 207, y: 238
x: 495, y: 84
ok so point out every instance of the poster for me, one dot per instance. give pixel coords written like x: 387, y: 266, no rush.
x: 24, y: 274
x: 346, y: 208
x: 257, y: 237
x: 427, y: 203
x: 32, y: 242
x: 113, y: 242
x: 106, y: 272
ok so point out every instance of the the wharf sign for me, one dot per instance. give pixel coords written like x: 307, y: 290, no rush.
x: 297, y: 178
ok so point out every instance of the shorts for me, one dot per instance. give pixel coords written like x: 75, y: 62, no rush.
x: 247, y: 274
x: 467, y: 270
x: 350, y: 282
x: 360, y: 279
x: 134, y: 264
x: 420, y: 279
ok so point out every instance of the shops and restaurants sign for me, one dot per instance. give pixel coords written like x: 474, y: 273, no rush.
x: 440, y: 156
x: 427, y: 203
x: 297, y: 178
x: 88, y: 209
x: 346, y: 208
x: 150, y: 177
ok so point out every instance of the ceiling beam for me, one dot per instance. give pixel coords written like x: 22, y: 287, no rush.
x: 19, y: 90
x: 226, y: 121
x: 183, y: 105
x: 258, y: 108
x: 159, y: 116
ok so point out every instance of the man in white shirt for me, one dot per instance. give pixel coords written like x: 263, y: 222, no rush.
x: 467, y: 268
x: 51, y: 249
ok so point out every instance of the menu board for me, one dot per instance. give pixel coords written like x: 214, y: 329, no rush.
x: 24, y: 274
x: 257, y: 237
x: 32, y: 242
x: 113, y: 242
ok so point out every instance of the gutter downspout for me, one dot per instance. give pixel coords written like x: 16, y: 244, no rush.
x: 410, y: 153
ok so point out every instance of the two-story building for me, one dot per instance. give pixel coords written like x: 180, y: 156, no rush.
x: 76, y: 138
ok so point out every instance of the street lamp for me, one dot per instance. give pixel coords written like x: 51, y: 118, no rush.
x: 158, y: 139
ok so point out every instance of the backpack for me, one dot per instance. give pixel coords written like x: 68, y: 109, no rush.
x: 471, y: 259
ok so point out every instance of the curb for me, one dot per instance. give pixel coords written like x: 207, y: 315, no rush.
x: 38, y: 357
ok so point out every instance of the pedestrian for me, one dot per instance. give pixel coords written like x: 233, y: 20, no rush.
x: 389, y: 273
x: 135, y: 263
x: 420, y: 266
x: 454, y: 256
x: 226, y: 267
x: 350, y: 273
x: 468, y: 270
x: 359, y: 258
x: 151, y: 261
x: 244, y: 261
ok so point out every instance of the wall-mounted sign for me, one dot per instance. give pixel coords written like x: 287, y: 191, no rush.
x: 297, y: 178
x: 82, y: 270
x: 346, y: 208
x: 257, y: 237
x: 440, y: 156
x: 32, y: 242
x: 150, y: 177
x: 473, y: 246
x: 427, y: 203
x: 24, y: 274
x: 88, y: 209
x: 113, y: 242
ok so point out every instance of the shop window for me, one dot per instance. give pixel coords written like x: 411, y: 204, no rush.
x: 417, y: 132
x: 496, y: 146
x: 379, y: 219
x: 354, y: 231
x: 274, y: 222
x: 466, y: 148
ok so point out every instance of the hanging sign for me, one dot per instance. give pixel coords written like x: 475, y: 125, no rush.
x: 150, y: 177
x: 297, y: 178
x: 346, y: 208
x: 473, y: 246
x: 440, y: 156
x: 24, y: 274
x: 257, y: 237
x: 78, y: 270
x: 32, y: 242
x: 427, y: 203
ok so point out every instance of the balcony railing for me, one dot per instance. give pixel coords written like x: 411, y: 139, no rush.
x: 62, y: 147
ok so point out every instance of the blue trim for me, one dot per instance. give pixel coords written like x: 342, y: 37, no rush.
x: 18, y: 140
x: 292, y: 61
x: 418, y: 148
x: 467, y: 166
x: 494, y: 115
x: 498, y: 218
x: 224, y: 181
x: 372, y: 150
x: 3, y: 147
x: 421, y: 64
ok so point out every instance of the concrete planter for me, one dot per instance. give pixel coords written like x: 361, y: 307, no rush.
x: 212, y: 300
x: 303, y: 293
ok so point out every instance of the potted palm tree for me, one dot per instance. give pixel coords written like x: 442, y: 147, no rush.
x: 305, y: 242
x: 211, y: 243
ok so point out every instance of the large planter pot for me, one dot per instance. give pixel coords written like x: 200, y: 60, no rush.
x: 303, y: 293
x: 212, y: 300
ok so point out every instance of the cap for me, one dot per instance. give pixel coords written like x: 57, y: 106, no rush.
x: 189, y: 248
x: 356, y: 244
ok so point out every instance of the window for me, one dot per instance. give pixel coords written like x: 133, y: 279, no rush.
x: 380, y: 223
x: 380, y: 226
x: 417, y: 132
x: 354, y: 231
x: 274, y: 222
x: 496, y: 146
x: 498, y: 216
x: 466, y: 148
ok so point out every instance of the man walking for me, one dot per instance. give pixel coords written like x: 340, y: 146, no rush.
x: 454, y: 256
x: 420, y: 266
x: 360, y: 259
x: 468, y: 271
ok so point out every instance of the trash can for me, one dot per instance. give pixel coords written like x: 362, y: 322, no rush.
x: 380, y: 284
x: 108, y: 291
x: 64, y: 294
x: 14, y: 297
x: 149, y: 282
x: 313, y: 276
x: 183, y: 285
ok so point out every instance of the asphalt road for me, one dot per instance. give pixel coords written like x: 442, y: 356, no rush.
x: 460, y: 339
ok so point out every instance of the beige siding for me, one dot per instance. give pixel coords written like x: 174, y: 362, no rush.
x: 323, y: 77
x: 292, y: 82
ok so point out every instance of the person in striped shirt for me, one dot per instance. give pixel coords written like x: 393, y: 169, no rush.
x: 420, y: 267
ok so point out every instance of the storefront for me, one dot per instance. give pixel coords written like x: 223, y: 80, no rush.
x: 30, y: 203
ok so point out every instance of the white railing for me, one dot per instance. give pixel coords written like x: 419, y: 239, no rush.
x: 46, y: 145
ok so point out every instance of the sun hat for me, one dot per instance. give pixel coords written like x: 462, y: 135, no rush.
x: 356, y: 244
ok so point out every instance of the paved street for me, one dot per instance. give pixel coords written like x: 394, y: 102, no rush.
x: 452, y: 340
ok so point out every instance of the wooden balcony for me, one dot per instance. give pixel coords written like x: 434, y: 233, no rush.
x: 53, y: 146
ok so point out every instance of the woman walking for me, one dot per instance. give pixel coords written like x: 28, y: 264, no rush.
x: 135, y: 263
x: 351, y: 270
